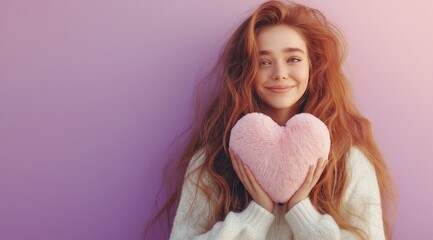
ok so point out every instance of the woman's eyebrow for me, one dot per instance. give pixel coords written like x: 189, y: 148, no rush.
x: 285, y: 50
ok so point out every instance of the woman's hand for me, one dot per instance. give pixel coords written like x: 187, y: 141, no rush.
x: 313, y: 176
x: 250, y: 183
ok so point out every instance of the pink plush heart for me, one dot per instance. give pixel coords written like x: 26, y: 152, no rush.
x: 279, y: 156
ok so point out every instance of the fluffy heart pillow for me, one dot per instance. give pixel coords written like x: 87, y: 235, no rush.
x: 279, y: 156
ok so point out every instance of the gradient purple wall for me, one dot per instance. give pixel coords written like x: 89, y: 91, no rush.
x: 92, y: 92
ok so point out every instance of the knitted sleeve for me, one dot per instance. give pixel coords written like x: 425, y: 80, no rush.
x: 194, y: 211
x: 361, y: 203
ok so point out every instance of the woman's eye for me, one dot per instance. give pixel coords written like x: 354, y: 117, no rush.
x: 294, y: 60
x: 264, y: 62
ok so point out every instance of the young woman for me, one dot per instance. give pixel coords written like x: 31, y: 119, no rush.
x: 282, y: 60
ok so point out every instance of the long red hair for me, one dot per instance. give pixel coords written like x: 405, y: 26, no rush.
x: 328, y: 97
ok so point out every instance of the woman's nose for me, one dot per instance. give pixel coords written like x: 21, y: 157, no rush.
x: 280, y: 72
x: 279, y: 77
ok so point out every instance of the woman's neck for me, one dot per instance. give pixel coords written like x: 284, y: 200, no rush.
x: 281, y: 116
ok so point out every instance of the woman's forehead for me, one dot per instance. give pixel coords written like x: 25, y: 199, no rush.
x: 280, y: 38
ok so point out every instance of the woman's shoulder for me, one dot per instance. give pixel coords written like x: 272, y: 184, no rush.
x: 357, y: 159
x: 357, y: 162
x: 362, y: 179
x: 196, y: 161
x: 194, y: 171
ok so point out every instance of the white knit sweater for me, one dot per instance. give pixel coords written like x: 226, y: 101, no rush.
x: 303, y: 221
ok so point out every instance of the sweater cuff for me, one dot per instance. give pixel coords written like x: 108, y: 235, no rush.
x: 257, y: 217
x: 301, y: 215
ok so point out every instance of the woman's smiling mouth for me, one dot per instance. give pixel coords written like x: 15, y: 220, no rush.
x: 280, y: 88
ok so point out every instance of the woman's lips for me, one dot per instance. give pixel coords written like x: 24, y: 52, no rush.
x: 280, y: 89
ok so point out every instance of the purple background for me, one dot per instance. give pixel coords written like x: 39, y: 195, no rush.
x: 92, y: 92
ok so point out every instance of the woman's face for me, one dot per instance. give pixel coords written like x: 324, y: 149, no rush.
x: 284, y: 68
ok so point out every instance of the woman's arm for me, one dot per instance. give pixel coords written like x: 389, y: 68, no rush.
x: 194, y: 212
x: 362, y: 199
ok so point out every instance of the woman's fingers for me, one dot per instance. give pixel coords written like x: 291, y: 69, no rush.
x: 252, y: 180
x: 250, y: 183
x: 245, y: 179
x: 309, y: 178
x: 314, y: 173
x: 244, y: 173
x: 240, y: 170
x: 234, y: 162
x: 260, y: 196
x: 318, y: 171
x: 313, y: 176
x: 321, y: 164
